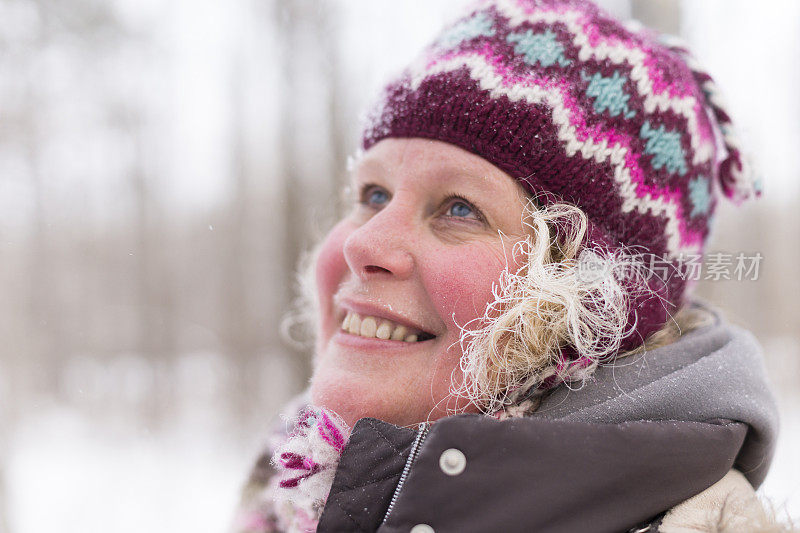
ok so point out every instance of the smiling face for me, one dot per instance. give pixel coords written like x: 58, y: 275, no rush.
x: 414, y: 260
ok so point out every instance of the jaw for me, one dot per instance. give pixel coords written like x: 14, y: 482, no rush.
x: 403, y: 387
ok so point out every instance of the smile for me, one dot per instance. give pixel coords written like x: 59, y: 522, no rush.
x: 381, y: 328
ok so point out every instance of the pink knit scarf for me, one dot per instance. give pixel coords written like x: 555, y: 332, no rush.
x: 305, y: 462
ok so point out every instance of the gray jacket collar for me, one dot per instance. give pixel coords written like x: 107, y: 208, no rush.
x: 716, y: 371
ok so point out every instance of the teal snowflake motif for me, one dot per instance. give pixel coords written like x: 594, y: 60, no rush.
x: 542, y: 48
x: 700, y: 195
x: 665, y: 146
x: 609, y: 94
x: 475, y: 26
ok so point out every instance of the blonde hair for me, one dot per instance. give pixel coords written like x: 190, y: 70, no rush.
x: 550, y: 303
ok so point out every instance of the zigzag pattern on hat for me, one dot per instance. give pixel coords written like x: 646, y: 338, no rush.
x: 577, y: 136
x: 659, y: 95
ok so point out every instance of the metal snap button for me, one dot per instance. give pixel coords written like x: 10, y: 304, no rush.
x: 422, y: 528
x: 452, y: 462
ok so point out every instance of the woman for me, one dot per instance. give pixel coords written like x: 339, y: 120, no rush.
x: 505, y: 337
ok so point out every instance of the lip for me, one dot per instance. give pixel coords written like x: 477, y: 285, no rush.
x: 374, y: 344
x: 366, y: 309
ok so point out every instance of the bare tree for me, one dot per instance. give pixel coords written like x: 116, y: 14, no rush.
x: 239, y: 330
x: 293, y: 16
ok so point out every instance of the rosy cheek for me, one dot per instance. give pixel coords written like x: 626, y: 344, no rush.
x: 461, y: 282
x: 331, y: 269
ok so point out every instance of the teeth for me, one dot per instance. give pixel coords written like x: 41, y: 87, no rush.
x: 372, y: 327
x: 399, y: 333
x: 368, y: 327
x: 355, y: 325
x: 384, y: 331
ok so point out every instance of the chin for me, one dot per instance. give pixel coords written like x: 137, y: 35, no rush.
x: 343, y: 397
x: 353, y: 399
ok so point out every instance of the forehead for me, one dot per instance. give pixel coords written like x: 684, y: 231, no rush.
x: 431, y: 163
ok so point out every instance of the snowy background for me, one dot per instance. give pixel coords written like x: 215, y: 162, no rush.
x: 162, y: 165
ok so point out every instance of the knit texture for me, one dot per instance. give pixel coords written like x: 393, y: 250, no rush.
x: 582, y: 109
x: 288, y: 492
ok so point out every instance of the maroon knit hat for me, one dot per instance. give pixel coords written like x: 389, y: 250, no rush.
x: 582, y: 109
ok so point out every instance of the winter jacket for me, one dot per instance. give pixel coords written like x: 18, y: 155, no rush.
x: 651, y: 443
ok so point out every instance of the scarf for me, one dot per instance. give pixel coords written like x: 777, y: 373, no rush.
x: 303, y: 463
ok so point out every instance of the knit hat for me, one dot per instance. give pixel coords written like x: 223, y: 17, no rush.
x: 582, y: 109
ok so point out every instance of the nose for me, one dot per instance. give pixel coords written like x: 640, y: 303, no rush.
x: 381, y: 246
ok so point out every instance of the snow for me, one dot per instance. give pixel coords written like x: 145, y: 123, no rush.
x: 68, y: 473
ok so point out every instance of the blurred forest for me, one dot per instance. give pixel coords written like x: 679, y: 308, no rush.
x: 162, y: 167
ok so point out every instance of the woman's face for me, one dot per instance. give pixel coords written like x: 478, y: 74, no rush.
x: 413, y: 261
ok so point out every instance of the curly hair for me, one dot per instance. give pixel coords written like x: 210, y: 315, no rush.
x: 552, y: 303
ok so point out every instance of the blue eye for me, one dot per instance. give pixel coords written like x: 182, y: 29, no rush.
x: 376, y: 197
x: 460, y: 209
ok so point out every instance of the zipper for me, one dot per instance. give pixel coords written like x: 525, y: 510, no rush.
x: 422, y: 432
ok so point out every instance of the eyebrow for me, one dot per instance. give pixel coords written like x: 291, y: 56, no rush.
x: 476, y: 184
x: 367, y: 164
x: 452, y: 174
